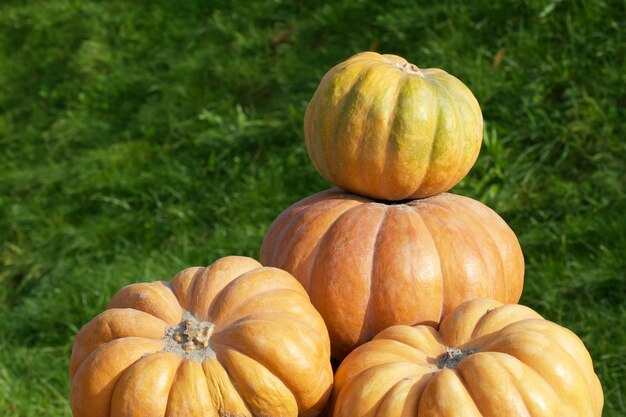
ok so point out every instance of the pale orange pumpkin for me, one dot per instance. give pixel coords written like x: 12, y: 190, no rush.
x: 368, y: 265
x: 381, y: 127
x: 486, y: 360
x: 232, y: 339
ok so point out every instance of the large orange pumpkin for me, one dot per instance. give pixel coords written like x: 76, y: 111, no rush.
x: 231, y: 339
x: 486, y: 360
x: 368, y: 265
x: 381, y: 127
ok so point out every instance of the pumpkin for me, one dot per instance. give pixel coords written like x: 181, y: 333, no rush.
x: 383, y: 128
x: 486, y: 360
x: 368, y: 265
x: 231, y: 339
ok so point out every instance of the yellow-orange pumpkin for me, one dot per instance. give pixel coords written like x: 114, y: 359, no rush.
x: 381, y: 127
x: 232, y: 339
x: 486, y: 360
x: 368, y: 265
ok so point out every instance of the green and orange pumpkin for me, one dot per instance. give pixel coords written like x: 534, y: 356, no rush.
x: 380, y: 127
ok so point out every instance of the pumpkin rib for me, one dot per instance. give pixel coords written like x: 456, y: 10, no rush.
x: 415, y: 378
x: 337, y: 220
x: 467, y: 159
x: 495, y: 367
x: 232, y: 321
x: 390, y: 334
x: 496, y: 243
x: 517, y: 389
x: 460, y: 139
x: 215, y: 313
x: 441, y: 126
x: 431, y: 153
x: 233, y: 379
x: 305, y: 225
x: 351, y: 213
x: 369, y: 126
x: 221, y: 389
x: 168, y: 406
x: 234, y: 385
x: 194, y: 282
x: 146, y: 297
x: 486, y: 232
x: 443, y: 279
x: 341, y: 126
x: 385, y: 352
x: 531, y: 370
x: 534, y: 372
x: 348, y: 388
x: 470, y: 208
x: 124, y: 387
x: 89, y: 333
x: 173, y: 393
x: 87, y: 358
x: 260, y: 355
x: 366, y: 322
x: 588, y: 377
x: 463, y: 383
x: 557, y: 345
x: 105, y: 350
x: 211, y: 284
x: 460, y: 170
x: 292, y: 216
x: 521, y: 313
x: 182, y: 282
x: 311, y: 264
x: 297, y: 218
x: 407, y: 136
x: 392, y: 121
x: 454, y: 327
x: 407, y: 387
x: 328, y: 148
x: 479, y: 248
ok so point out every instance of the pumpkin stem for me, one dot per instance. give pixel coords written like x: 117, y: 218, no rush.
x: 408, y: 67
x: 452, y: 357
x: 190, y: 337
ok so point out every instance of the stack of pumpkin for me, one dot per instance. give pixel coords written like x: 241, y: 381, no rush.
x: 412, y: 289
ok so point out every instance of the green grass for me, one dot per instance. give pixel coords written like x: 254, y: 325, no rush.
x: 139, y: 138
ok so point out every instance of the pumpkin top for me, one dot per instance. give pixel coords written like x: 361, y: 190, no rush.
x: 190, y: 338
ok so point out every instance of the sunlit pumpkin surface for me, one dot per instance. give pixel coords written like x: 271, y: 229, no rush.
x: 486, y: 360
x: 233, y: 339
x: 368, y: 265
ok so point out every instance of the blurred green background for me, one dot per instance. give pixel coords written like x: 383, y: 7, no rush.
x: 141, y: 137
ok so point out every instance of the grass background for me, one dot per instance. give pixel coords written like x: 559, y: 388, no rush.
x: 141, y: 137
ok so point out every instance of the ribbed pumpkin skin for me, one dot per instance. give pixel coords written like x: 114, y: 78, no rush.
x: 368, y: 265
x: 269, y: 353
x: 383, y: 128
x: 523, y: 366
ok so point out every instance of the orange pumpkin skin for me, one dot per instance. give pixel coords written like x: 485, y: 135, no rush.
x: 368, y: 265
x: 232, y: 339
x: 486, y: 360
x: 379, y: 126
